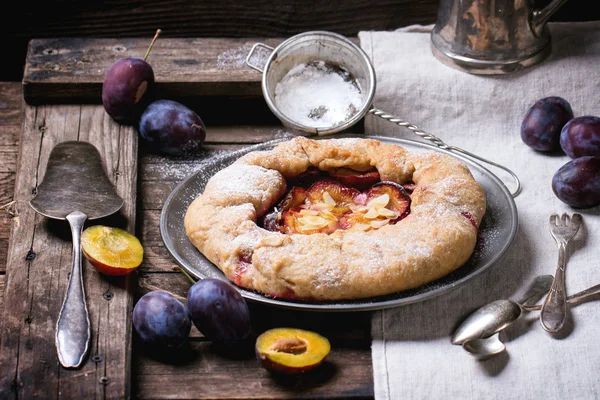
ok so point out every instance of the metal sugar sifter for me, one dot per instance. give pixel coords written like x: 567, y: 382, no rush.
x: 351, y: 62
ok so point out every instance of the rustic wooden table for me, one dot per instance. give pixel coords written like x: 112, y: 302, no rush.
x: 59, y: 99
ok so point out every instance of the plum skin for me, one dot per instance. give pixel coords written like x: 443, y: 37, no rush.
x: 127, y: 88
x: 581, y: 137
x: 577, y: 183
x: 172, y: 128
x: 219, y: 311
x: 161, y: 319
x: 543, y: 122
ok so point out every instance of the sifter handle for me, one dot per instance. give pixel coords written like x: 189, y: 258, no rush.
x: 442, y: 145
x: 251, y: 53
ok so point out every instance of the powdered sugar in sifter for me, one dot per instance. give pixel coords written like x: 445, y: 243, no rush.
x: 321, y: 83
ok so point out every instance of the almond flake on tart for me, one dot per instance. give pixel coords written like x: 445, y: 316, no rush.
x: 337, y: 219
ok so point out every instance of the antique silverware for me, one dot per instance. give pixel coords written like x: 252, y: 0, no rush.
x: 75, y: 188
x: 497, y: 315
x: 337, y: 50
x: 554, y: 308
x: 486, y: 347
x: 492, y: 36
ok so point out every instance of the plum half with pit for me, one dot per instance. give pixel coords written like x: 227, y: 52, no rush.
x: 170, y: 127
x: 161, y: 320
x: 577, y: 183
x: 543, y: 122
x: 581, y: 137
x: 291, y: 350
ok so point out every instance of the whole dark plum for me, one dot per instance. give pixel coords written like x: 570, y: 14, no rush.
x: 577, y: 183
x: 219, y: 311
x: 172, y: 128
x: 581, y: 137
x: 543, y: 123
x: 161, y: 319
x: 127, y: 89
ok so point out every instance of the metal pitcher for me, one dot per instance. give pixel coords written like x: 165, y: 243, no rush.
x: 492, y: 36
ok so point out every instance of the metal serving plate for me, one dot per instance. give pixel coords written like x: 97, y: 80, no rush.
x: 497, y: 232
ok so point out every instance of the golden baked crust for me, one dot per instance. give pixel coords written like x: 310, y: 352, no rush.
x: 438, y: 235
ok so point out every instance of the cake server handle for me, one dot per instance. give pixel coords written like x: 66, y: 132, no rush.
x: 442, y: 145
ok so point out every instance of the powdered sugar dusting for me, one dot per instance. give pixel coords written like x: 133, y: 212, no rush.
x: 282, y: 134
x: 318, y: 94
x: 244, y: 178
x: 236, y: 58
x: 169, y: 168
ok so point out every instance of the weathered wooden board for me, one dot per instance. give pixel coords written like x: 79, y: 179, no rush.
x: 39, y: 262
x: 199, y: 371
x: 190, y: 18
x: 72, y: 70
x: 11, y: 102
x: 233, y: 120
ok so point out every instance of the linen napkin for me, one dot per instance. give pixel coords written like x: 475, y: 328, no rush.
x: 412, y: 354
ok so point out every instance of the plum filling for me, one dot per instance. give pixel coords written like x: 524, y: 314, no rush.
x: 319, y: 202
x: 244, y: 263
x: 470, y: 218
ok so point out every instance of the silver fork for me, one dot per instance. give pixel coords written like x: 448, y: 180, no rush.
x: 554, y: 309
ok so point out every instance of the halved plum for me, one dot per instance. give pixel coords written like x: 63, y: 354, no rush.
x: 399, y: 199
x: 291, y: 350
x: 306, y: 178
x: 332, y: 193
x: 112, y: 251
x: 385, y: 203
x: 356, y: 179
x: 317, y: 210
x: 327, y: 206
x: 295, y: 198
x: 273, y: 219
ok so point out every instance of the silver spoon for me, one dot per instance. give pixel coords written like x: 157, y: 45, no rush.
x: 497, y: 315
x: 485, y: 347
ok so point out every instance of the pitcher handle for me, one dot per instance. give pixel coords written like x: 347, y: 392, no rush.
x: 541, y: 17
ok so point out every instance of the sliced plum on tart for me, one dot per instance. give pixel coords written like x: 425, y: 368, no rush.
x: 385, y: 203
x: 328, y: 205
x: 355, y: 179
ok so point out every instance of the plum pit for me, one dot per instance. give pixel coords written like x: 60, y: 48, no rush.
x: 291, y: 350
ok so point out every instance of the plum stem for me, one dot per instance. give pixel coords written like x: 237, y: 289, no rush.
x: 158, y: 31
x: 187, y: 276
x: 153, y: 288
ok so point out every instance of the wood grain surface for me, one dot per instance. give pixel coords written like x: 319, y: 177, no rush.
x: 11, y: 104
x: 72, y: 70
x: 224, y: 18
x: 199, y: 370
x: 39, y: 262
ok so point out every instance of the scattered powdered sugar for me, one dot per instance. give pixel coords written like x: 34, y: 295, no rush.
x: 236, y: 58
x: 318, y: 94
x: 170, y: 168
x: 283, y: 134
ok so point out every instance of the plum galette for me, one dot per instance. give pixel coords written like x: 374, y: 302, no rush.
x: 337, y: 219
